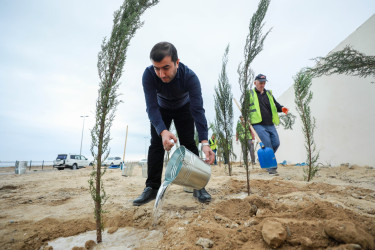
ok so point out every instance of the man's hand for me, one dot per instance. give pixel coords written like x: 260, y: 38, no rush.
x: 210, y: 155
x: 166, y: 138
x: 285, y: 110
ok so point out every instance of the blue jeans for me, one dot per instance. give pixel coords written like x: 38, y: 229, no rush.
x: 268, y: 135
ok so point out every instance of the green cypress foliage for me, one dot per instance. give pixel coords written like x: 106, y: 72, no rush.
x: 346, y: 61
x: 111, y: 60
x: 253, y: 46
x: 303, y: 97
x: 224, y: 112
x: 287, y: 120
x: 241, y: 130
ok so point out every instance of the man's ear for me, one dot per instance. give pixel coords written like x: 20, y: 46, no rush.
x: 177, y: 62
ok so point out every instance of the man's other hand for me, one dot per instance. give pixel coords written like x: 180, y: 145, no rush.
x: 210, y: 155
x: 166, y: 138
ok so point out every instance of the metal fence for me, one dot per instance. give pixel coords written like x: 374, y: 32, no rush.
x: 42, y: 163
x: 30, y: 164
x: 6, y: 166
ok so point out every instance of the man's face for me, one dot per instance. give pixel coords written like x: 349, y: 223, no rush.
x: 259, y: 85
x: 166, y: 69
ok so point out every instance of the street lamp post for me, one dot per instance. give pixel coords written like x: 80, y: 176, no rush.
x: 83, y: 126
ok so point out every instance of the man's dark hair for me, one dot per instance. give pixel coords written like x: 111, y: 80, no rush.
x: 163, y: 49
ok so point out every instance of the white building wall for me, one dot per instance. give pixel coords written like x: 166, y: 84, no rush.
x: 344, y: 109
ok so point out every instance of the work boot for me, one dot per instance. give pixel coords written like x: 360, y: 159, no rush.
x: 273, y: 171
x: 148, y: 195
x: 202, y: 195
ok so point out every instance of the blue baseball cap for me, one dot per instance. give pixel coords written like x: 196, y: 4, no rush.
x: 261, y: 78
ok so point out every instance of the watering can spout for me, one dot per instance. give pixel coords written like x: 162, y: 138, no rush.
x: 261, y: 145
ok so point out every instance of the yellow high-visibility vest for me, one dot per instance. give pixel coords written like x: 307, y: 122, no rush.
x: 255, y: 115
x: 241, y: 131
x: 213, y: 143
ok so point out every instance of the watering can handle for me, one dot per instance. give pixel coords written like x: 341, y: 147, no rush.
x: 251, y: 127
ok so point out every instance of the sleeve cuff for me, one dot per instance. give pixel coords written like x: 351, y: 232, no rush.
x: 160, y: 128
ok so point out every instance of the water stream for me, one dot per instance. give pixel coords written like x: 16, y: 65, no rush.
x: 183, y: 167
x: 159, y: 202
x: 171, y: 171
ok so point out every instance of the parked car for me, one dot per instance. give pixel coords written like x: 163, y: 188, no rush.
x: 73, y: 161
x: 112, y: 161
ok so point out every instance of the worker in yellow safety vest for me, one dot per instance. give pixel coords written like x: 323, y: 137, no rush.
x: 263, y: 115
x: 213, y: 145
x: 240, y: 135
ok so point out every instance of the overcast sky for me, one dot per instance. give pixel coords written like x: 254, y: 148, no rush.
x: 48, y: 57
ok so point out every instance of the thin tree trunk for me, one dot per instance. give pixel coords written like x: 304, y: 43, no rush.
x: 247, y: 178
x: 308, y: 139
x: 98, y: 205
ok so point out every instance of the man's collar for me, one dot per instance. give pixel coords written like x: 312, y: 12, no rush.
x: 259, y: 91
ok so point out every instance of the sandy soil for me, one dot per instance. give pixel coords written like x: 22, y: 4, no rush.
x: 40, y: 206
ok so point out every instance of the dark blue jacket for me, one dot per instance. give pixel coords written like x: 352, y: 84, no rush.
x: 184, y: 88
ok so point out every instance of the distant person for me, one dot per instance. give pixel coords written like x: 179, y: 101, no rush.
x: 263, y: 115
x: 243, y: 129
x: 213, y: 145
x: 172, y: 92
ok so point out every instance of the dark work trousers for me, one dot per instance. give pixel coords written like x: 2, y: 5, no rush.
x: 250, y: 147
x: 184, y: 124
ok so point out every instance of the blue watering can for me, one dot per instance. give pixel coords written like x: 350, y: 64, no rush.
x: 266, y: 157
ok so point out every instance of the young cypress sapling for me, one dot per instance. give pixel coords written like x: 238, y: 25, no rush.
x: 111, y: 60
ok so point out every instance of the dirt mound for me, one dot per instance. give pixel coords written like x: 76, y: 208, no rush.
x: 326, y: 213
x: 34, y: 234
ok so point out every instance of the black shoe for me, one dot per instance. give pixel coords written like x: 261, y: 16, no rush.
x: 273, y: 172
x: 148, y: 195
x: 202, y: 195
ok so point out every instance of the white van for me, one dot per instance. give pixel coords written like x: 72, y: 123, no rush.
x: 112, y: 161
x: 73, y: 161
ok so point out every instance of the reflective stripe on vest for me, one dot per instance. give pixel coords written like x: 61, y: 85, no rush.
x: 255, y: 115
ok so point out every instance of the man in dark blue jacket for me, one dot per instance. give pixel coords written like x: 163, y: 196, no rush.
x: 172, y: 92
